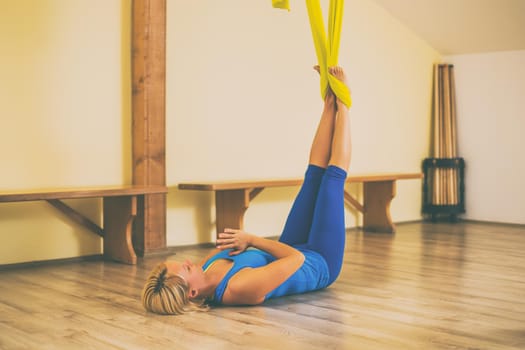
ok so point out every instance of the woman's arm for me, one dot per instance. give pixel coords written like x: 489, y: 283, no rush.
x: 250, y: 286
x: 239, y: 241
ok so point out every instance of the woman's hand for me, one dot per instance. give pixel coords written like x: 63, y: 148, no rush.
x: 236, y: 240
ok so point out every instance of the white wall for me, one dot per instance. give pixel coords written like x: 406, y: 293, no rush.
x: 65, y: 117
x: 243, y: 102
x: 491, y: 123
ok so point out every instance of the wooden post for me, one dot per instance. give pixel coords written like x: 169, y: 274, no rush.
x: 119, y: 213
x: 230, y: 208
x: 377, y: 198
x: 148, y: 108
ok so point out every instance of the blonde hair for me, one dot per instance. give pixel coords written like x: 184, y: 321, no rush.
x: 167, y: 294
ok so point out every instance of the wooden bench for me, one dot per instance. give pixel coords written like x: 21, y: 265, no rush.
x: 233, y: 198
x: 119, y: 209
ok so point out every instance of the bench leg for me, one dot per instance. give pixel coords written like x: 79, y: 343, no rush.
x: 377, y: 198
x: 119, y: 213
x: 230, y: 206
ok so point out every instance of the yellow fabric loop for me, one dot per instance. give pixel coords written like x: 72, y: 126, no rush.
x: 281, y: 4
x: 326, y: 47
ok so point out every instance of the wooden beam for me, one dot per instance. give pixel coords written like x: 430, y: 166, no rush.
x: 255, y: 191
x: 351, y: 201
x: 76, y: 216
x: 149, y: 125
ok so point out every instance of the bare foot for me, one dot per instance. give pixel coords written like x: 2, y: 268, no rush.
x: 339, y: 73
x: 329, y: 99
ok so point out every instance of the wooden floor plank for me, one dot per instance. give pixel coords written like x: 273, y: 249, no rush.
x: 429, y: 286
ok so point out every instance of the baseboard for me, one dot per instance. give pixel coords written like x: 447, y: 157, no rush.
x: 173, y: 250
x: 54, y: 262
x: 459, y: 220
x: 495, y: 223
x: 399, y: 223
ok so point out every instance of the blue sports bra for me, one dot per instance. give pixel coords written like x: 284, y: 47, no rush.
x: 312, y: 275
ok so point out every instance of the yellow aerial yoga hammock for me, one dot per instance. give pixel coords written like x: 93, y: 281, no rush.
x: 327, y: 49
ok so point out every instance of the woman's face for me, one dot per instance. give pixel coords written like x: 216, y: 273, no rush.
x: 191, y: 273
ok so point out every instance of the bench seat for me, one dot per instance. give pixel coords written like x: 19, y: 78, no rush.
x: 79, y: 192
x: 232, y: 198
x: 119, y: 210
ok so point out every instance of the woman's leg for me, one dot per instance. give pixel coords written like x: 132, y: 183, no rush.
x: 321, y: 149
x: 327, y: 234
x: 297, y: 227
x: 341, y: 149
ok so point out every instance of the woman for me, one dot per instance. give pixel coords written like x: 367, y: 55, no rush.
x: 308, y: 255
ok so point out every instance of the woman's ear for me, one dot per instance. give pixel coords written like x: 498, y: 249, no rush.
x: 193, y: 293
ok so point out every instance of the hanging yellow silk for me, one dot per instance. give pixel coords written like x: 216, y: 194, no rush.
x: 281, y: 4
x: 326, y: 48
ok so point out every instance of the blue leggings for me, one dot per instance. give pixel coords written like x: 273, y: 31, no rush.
x: 316, y: 220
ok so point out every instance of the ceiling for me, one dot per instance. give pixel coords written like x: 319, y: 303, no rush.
x: 456, y: 27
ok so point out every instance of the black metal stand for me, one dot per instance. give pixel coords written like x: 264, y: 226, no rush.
x: 434, y: 209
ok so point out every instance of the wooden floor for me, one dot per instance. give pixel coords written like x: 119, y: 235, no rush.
x: 429, y: 286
